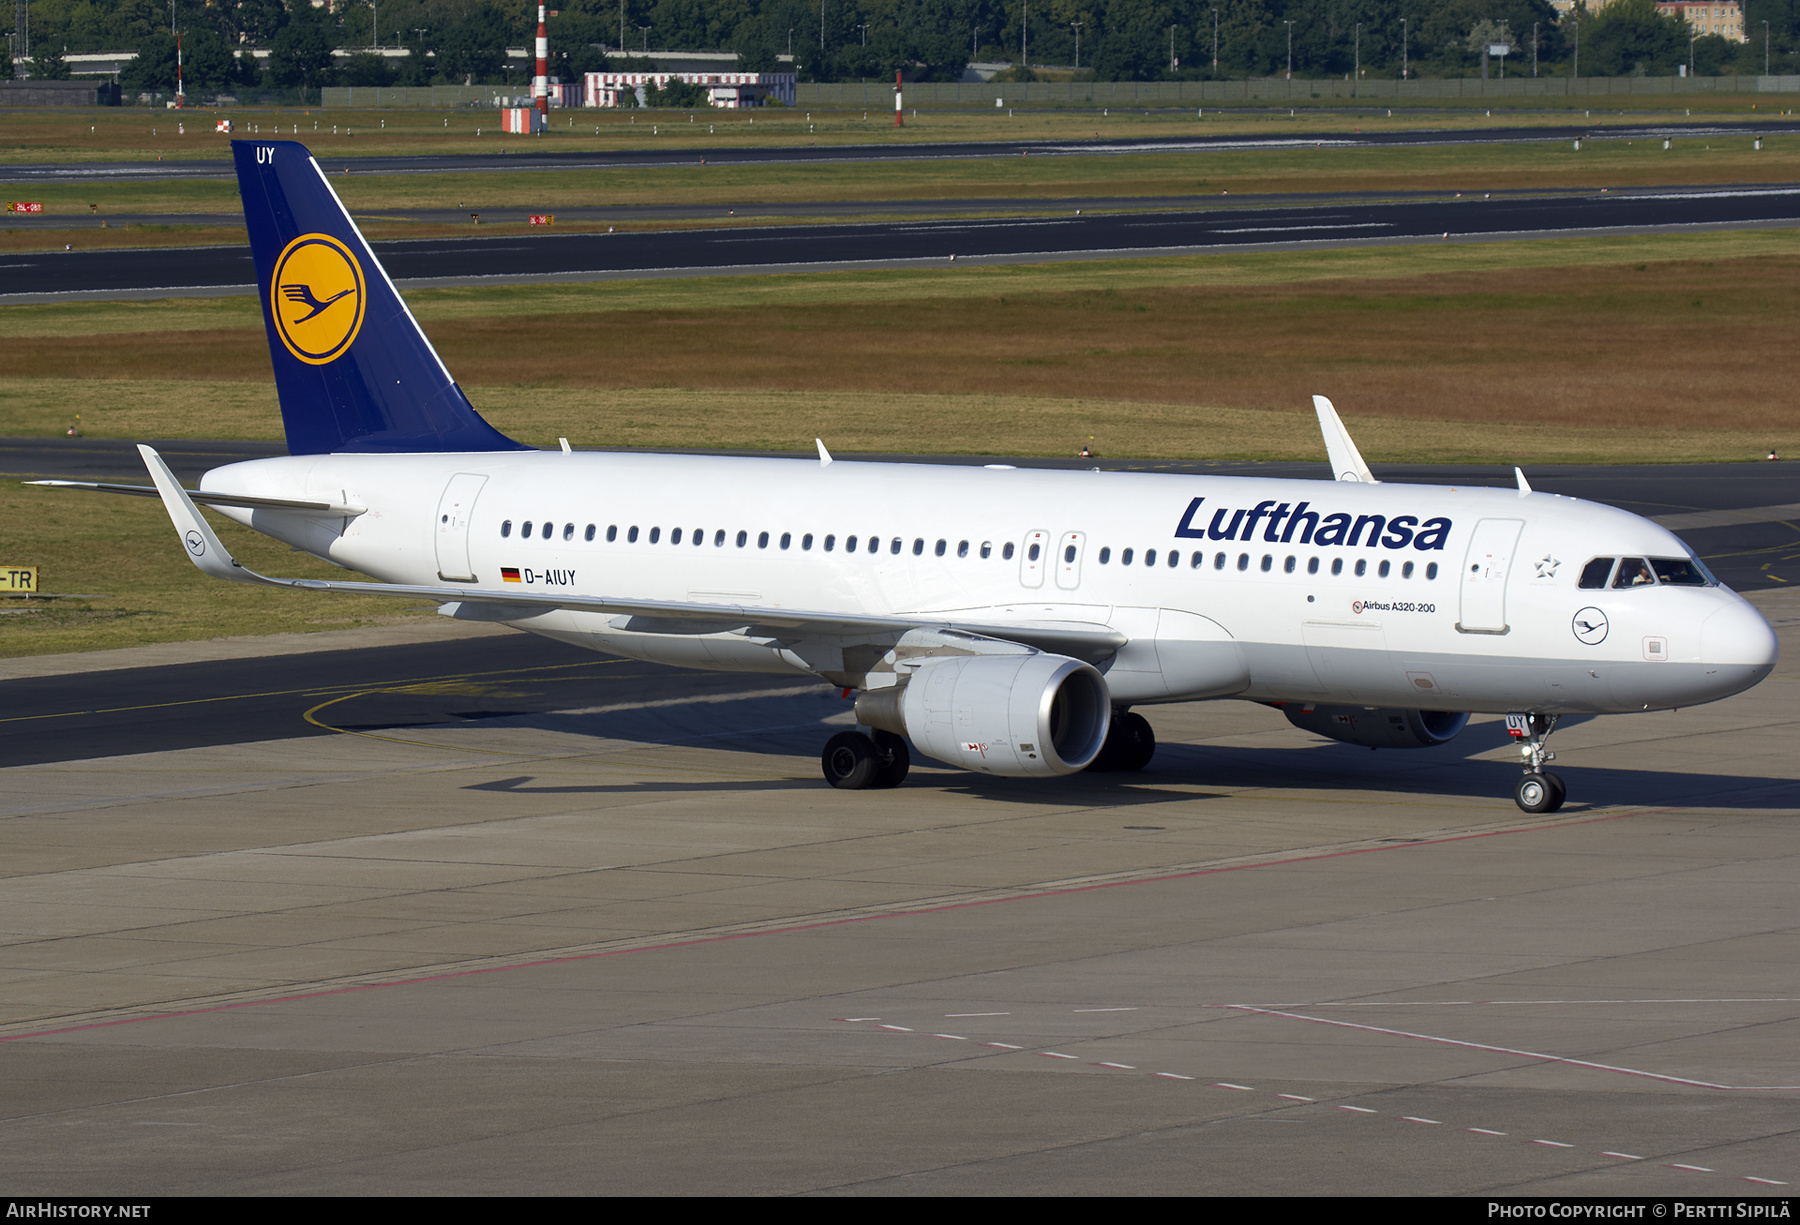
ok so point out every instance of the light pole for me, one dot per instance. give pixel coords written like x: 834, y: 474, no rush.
x: 1691, y: 38
x: 1077, y: 26
x: 1403, y: 48
x: 374, y: 25
x: 1577, y: 71
x: 1024, y: 29
x: 1215, y: 41
x: 1534, y: 36
x: 864, y: 27
x: 1357, y: 79
x: 1290, y: 26
x: 646, y: 30
x: 1173, y: 62
x: 821, y: 25
x: 1765, y: 44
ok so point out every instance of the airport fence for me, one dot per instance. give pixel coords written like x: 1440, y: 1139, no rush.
x: 1278, y: 89
x: 447, y: 97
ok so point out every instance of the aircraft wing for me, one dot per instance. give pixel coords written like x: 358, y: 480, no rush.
x: 1082, y: 640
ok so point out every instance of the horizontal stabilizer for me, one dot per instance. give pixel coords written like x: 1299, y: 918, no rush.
x: 329, y: 510
x: 1346, y: 461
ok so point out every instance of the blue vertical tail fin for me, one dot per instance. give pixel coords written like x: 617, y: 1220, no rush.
x: 352, y: 367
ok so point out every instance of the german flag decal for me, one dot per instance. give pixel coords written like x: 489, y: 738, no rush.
x: 509, y: 574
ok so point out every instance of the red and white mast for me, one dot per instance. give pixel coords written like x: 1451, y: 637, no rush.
x: 180, y: 97
x: 897, y: 99
x: 540, y: 88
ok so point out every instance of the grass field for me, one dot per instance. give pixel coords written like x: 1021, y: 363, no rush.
x: 1664, y: 338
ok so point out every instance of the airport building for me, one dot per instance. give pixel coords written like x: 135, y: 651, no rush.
x: 725, y: 90
x: 1708, y: 16
x: 1722, y: 17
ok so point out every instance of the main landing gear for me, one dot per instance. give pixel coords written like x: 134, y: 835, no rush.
x: 1538, y: 790
x: 1130, y: 744
x: 854, y: 761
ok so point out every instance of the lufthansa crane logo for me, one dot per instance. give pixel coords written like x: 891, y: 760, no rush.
x: 316, y: 297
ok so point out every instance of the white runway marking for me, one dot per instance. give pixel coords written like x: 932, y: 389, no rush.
x: 1508, y: 1050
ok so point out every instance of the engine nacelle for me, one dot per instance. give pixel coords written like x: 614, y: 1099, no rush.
x: 1019, y: 716
x: 1379, y: 729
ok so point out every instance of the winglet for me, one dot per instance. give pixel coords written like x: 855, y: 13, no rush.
x: 197, y: 537
x: 824, y: 455
x: 1524, y: 485
x: 1346, y: 461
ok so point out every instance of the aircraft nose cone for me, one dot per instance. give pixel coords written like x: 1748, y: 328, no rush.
x: 1736, y: 636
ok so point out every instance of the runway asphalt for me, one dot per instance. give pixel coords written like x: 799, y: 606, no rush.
x: 50, y: 276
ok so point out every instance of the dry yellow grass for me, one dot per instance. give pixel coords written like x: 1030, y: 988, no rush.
x: 1674, y: 346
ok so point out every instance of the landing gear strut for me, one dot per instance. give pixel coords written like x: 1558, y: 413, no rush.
x: 1130, y: 744
x: 853, y: 761
x: 1538, y: 789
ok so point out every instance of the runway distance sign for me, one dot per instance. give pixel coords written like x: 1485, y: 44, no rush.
x: 24, y: 206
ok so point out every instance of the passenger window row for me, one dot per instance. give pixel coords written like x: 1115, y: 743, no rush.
x: 896, y: 545
x: 697, y: 537
x: 1197, y: 560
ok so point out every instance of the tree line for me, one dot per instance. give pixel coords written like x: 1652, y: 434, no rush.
x: 462, y: 41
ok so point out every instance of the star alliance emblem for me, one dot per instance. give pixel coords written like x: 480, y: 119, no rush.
x: 1546, y: 566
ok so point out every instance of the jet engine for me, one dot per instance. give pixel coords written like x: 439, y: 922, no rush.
x: 1379, y: 729
x: 1019, y: 716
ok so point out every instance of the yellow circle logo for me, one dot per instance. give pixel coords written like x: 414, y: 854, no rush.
x: 317, y: 298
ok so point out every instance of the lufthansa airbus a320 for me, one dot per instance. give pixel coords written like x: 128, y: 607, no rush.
x: 1001, y: 620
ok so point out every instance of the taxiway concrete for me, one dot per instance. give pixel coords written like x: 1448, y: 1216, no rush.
x: 628, y: 942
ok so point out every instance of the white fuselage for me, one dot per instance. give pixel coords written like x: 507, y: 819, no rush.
x: 1449, y: 599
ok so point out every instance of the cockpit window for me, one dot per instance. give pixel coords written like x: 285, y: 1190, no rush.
x: 1633, y: 572
x: 1596, y: 572
x: 1680, y: 571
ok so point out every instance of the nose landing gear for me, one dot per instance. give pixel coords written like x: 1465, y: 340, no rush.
x: 1538, y: 789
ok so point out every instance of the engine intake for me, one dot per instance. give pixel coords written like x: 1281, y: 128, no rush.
x: 1018, y: 716
x: 1379, y: 729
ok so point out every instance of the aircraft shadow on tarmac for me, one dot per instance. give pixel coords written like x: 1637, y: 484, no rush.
x: 798, y: 725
